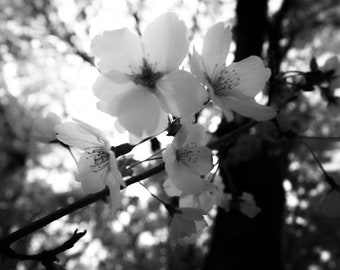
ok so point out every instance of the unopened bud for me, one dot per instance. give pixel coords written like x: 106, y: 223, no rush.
x: 122, y: 149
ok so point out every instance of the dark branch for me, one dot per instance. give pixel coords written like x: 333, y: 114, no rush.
x: 47, y: 257
x: 89, y: 199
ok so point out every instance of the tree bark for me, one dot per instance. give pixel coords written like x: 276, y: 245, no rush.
x: 255, y: 165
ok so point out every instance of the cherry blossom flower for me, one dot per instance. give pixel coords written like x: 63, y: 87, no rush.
x: 204, y: 201
x: 44, y: 128
x: 186, y: 161
x: 185, y: 223
x: 221, y: 198
x: 333, y: 63
x: 140, y: 82
x: 232, y: 87
x: 97, y: 167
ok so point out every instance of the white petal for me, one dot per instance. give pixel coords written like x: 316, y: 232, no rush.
x: 165, y: 42
x: 44, y: 128
x: 138, y: 111
x: 192, y: 213
x: 253, y: 75
x: 110, y: 104
x: 335, y: 83
x: 197, y: 67
x: 119, y: 50
x: 170, y: 189
x: 115, y: 194
x: 332, y: 63
x: 181, y: 227
x: 216, y: 45
x: 196, y: 133
x: 184, y: 179
x: 229, y: 115
x: 115, y: 171
x: 180, y: 94
x: 169, y: 155
x: 180, y: 137
x: 91, y: 181
x: 92, y: 130
x: 188, y: 201
x: 105, y: 89
x: 245, y: 106
x: 206, y: 201
x: 75, y: 135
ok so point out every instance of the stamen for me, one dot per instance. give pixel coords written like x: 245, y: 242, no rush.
x: 226, y: 80
x: 147, y: 76
x: 188, y: 153
x: 100, y: 158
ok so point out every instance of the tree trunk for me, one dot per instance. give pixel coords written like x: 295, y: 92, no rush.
x: 256, y: 166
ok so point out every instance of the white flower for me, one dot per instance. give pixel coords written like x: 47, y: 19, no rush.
x: 221, y: 198
x: 44, y: 128
x: 231, y: 87
x: 140, y: 81
x: 97, y: 166
x: 186, y: 160
x: 204, y: 201
x: 185, y: 223
x: 333, y: 63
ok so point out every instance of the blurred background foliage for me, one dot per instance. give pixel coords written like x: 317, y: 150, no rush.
x: 45, y: 65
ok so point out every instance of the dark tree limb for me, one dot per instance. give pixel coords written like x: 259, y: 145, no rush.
x: 48, y: 258
x: 89, y: 199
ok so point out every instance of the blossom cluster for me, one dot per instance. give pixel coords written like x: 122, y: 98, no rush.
x: 142, y: 85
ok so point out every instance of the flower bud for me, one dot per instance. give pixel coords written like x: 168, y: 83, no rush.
x: 43, y: 128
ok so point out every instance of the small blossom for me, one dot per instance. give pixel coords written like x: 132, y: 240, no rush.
x: 44, y: 128
x: 221, y: 198
x: 97, y: 167
x: 248, y: 206
x: 140, y: 82
x: 186, y: 161
x: 204, y: 201
x: 232, y: 87
x: 185, y: 223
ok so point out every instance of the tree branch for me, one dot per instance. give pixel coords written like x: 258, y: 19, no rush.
x: 46, y: 257
x: 89, y: 199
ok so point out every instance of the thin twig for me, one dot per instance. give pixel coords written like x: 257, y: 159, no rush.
x: 46, y: 257
x: 328, y: 178
x: 231, y: 135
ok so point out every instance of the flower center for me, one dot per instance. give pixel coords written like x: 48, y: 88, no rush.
x: 100, y: 158
x: 188, y: 153
x: 225, y: 81
x: 147, y: 76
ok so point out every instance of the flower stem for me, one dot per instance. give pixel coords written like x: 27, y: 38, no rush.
x: 153, y: 195
x: 328, y: 178
x: 317, y: 138
x: 231, y: 135
x: 152, y: 157
x: 72, y: 155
